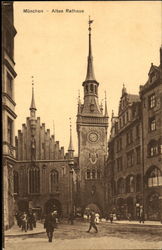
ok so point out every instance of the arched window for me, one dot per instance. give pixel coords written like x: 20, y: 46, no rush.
x: 86, y: 87
x: 121, y: 186
x: 154, y: 177
x: 91, y: 87
x: 16, y: 182
x: 54, y: 176
x: 34, y: 179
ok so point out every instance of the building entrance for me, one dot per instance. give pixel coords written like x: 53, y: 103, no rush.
x: 92, y: 207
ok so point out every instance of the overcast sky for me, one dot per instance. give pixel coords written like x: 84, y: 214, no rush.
x: 53, y: 47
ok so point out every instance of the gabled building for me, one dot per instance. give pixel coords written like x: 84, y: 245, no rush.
x: 124, y: 190
x: 151, y: 98
x: 43, y: 175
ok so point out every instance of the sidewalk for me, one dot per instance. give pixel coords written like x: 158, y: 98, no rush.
x: 148, y: 223
x: 16, y: 231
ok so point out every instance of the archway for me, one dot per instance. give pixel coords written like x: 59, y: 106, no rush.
x: 23, y: 205
x: 52, y: 205
x: 153, y: 207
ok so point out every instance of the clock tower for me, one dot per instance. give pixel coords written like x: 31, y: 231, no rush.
x: 92, y: 124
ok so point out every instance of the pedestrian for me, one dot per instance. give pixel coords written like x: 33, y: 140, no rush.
x: 142, y: 217
x: 92, y: 222
x: 24, y: 222
x: 71, y: 218
x: 34, y: 220
x: 111, y: 217
x: 97, y: 216
x: 30, y: 220
x: 49, y: 225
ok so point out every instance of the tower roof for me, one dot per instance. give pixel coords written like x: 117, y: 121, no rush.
x: 32, y: 106
x: 90, y: 72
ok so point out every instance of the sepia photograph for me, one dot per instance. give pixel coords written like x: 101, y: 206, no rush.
x: 81, y: 125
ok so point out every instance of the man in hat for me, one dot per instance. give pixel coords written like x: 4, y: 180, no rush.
x: 92, y: 222
x: 49, y: 225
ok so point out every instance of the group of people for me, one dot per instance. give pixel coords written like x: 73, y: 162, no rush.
x: 26, y: 220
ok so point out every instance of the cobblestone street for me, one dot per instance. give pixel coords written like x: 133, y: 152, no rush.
x: 115, y: 236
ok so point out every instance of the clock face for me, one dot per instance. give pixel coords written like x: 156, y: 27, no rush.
x: 93, y: 137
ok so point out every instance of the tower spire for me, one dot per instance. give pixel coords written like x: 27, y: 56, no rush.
x: 106, y: 113
x: 32, y: 106
x: 90, y: 73
x: 70, y: 148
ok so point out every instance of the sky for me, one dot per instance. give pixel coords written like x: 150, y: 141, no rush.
x: 52, y: 46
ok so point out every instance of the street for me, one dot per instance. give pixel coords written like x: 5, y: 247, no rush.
x: 110, y: 236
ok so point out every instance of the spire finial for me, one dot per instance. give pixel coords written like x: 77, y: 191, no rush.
x: 124, y: 89
x: 70, y: 144
x: 32, y: 106
x: 90, y: 73
x: 106, y: 113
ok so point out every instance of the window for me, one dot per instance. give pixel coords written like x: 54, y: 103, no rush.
x: 154, y: 178
x: 95, y: 89
x: 130, y: 184
x: 152, y: 124
x: 88, y: 174
x: 93, y: 174
x: 152, y: 148
x: 119, y: 145
x: 9, y: 85
x: 119, y: 164
x: 86, y: 88
x: 10, y: 130
x: 98, y: 174
x: 138, y: 155
x: 16, y: 182
x: 121, y: 186
x: 34, y: 180
x: 9, y: 43
x: 152, y: 101
x: 54, y: 176
x: 129, y: 136
x: 91, y: 87
x: 130, y: 159
x: 137, y: 132
x: 138, y: 183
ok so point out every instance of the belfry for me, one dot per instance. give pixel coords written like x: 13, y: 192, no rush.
x: 92, y: 124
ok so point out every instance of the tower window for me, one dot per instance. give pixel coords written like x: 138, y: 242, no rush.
x: 91, y: 87
x: 86, y: 87
x: 95, y: 89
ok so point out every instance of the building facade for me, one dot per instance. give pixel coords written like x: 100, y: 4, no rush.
x: 124, y: 190
x: 151, y: 98
x: 43, y: 175
x: 92, y: 126
x: 8, y: 111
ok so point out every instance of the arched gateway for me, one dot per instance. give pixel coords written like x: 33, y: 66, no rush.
x: 92, y: 207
